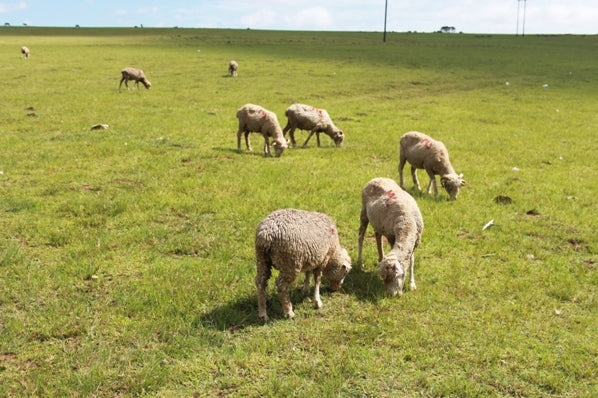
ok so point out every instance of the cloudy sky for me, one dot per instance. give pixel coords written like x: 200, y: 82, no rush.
x: 468, y: 16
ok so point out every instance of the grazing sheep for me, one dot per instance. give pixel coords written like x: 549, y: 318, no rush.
x: 254, y: 118
x: 233, y: 66
x: 395, y: 215
x: 305, y: 117
x: 295, y: 241
x: 24, y: 52
x: 423, y: 152
x: 135, y: 74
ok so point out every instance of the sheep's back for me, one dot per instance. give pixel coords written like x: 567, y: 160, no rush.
x: 299, y: 236
x: 388, y: 206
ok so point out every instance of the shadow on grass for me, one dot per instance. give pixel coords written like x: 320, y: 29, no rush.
x: 242, y: 313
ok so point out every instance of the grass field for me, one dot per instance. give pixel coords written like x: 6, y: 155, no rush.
x: 126, y: 255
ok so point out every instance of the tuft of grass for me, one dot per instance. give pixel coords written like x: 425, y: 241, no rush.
x: 126, y: 254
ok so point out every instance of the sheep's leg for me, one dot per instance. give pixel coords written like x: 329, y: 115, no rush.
x: 291, y: 131
x: 318, y: 138
x: 402, y: 161
x: 121, y: 83
x: 363, y: 218
x: 266, y: 146
x: 282, y: 285
x: 261, y: 282
x: 432, y: 183
x: 239, y: 134
x: 292, y: 137
x: 414, y: 177
x: 317, y: 280
x: 308, y: 137
x: 379, y: 246
x: 305, y: 289
x: 412, y: 272
x: 247, y: 143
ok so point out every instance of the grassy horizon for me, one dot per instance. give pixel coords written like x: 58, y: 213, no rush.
x: 126, y: 254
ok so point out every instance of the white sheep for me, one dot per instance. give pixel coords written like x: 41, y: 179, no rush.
x: 395, y: 215
x: 254, y: 118
x: 306, y: 117
x: 233, y: 66
x: 423, y: 152
x: 294, y: 241
x: 135, y: 74
x: 25, y: 52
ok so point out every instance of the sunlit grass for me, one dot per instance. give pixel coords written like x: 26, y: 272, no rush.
x: 126, y: 254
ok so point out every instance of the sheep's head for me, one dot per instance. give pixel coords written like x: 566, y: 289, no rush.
x: 279, y: 146
x: 393, y: 275
x: 338, y: 137
x: 452, y: 183
x: 146, y: 83
x: 338, y: 267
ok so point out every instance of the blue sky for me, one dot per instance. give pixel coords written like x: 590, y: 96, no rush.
x: 469, y: 16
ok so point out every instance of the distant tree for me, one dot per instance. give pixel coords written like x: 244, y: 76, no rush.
x: 6, y: 24
x: 448, y: 29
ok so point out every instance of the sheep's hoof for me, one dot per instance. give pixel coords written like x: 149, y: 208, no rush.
x: 263, y: 318
x: 412, y: 286
x: 318, y: 304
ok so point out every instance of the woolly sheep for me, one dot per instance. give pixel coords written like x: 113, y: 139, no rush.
x: 295, y: 241
x: 135, y: 74
x: 306, y: 117
x: 395, y: 215
x: 24, y: 52
x: 423, y: 152
x: 254, y: 118
x: 233, y: 66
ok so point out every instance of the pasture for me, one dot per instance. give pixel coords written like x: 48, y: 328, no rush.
x: 126, y: 255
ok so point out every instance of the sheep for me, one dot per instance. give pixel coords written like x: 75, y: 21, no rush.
x: 135, y: 74
x: 254, y: 118
x: 24, y: 52
x: 423, y: 152
x: 295, y: 241
x: 395, y: 215
x: 305, y: 117
x: 233, y: 66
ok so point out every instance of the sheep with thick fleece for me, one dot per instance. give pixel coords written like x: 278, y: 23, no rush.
x: 25, y: 52
x: 295, y: 241
x: 306, y: 117
x: 254, y: 118
x: 135, y: 74
x: 395, y: 215
x: 233, y: 66
x: 423, y: 152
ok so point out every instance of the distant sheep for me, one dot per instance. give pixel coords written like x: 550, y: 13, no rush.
x: 423, y: 152
x: 295, y: 241
x: 254, y: 118
x: 306, y: 117
x: 24, y: 52
x: 233, y: 66
x: 134, y: 74
x: 395, y: 215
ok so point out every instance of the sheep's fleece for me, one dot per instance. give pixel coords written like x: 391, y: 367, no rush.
x: 295, y: 241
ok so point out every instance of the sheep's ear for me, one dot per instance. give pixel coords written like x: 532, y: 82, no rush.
x: 443, y: 181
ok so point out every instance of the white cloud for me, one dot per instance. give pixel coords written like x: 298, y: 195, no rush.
x: 263, y: 18
x: 12, y: 7
x: 311, y: 18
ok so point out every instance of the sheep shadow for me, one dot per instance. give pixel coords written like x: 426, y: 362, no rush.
x: 233, y: 316
x: 364, y: 283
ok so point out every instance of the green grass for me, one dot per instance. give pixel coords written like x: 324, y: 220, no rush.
x: 126, y: 255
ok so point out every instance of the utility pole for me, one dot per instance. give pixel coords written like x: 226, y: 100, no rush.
x: 524, y: 7
x: 385, y: 14
x: 518, y: 13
